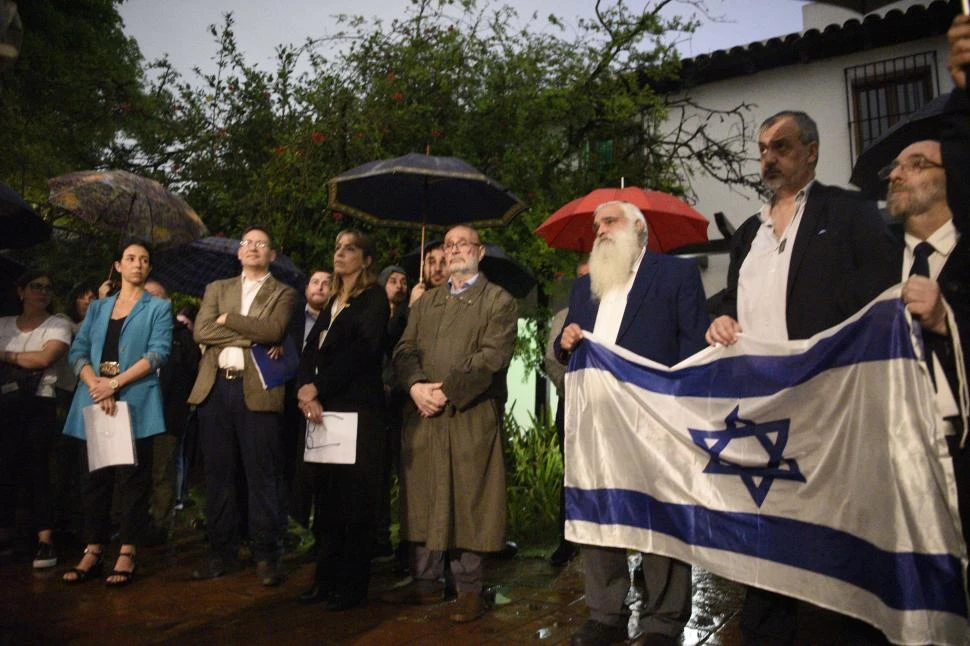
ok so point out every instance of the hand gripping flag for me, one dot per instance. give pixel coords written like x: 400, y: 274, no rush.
x: 817, y: 469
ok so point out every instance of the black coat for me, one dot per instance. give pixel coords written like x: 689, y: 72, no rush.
x: 954, y: 282
x: 955, y: 148
x: 346, y: 370
x: 841, y: 260
x: 176, y: 377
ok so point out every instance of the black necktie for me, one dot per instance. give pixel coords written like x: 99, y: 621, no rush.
x: 921, y: 259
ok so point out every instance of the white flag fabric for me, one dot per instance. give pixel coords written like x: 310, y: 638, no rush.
x: 817, y: 469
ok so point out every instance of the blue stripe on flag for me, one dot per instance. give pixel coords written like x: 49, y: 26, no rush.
x: 902, y: 580
x: 878, y: 335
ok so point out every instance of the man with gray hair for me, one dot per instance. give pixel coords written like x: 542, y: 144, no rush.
x: 452, y: 360
x: 653, y: 305
x: 809, y: 259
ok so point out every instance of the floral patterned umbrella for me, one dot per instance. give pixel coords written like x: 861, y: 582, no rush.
x: 117, y: 200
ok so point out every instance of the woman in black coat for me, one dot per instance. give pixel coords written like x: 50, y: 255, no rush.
x: 340, y: 371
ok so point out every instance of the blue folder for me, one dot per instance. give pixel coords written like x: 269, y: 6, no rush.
x: 276, y: 372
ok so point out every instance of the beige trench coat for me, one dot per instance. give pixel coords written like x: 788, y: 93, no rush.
x: 452, y: 469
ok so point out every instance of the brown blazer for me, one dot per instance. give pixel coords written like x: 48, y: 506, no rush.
x: 266, y: 323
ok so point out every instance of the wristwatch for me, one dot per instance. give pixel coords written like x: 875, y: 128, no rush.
x: 114, y: 384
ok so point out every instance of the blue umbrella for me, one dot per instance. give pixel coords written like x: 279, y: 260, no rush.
x: 20, y: 226
x: 190, y: 267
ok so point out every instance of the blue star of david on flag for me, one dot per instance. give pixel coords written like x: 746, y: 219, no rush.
x: 772, y: 436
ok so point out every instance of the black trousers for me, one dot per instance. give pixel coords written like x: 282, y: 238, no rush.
x: 241, y: 445
x: 134, y: 489
x: 26, y: 443
x: 343, y: 558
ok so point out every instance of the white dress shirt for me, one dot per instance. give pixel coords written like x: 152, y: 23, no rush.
x: 234, y: 357
x: 609, y: 316
x: 763, y: 278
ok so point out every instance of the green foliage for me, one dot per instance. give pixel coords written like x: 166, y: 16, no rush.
x: 534, y: 479
x: 76, y: 91
x: 549, y: 110
x: 520, y: 103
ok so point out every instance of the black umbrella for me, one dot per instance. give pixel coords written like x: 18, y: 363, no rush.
x: 423, y: 190
x: 924, y: 123
x: 505, y: 272
x: 190, y: 267
x: 20, y: 226
x: 859, y: 6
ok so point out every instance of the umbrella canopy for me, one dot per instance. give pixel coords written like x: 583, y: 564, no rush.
x: 671, y: 222
x: 924, y: 123
x: 190, y: 267
x: 20, y: 226
x: 500, y: 269
x: 120, y: 201
x: 416, y: 190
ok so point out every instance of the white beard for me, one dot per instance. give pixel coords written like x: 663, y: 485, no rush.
x: 610, y: 261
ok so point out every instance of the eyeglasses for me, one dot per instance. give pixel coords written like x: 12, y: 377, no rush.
x: 40, y: 287
x: 259, y: 244
x: 910, y: 165
x: 461, y: 245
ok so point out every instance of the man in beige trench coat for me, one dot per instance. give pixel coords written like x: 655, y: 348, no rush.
x: 452, y: 359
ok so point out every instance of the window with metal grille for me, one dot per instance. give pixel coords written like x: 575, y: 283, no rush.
x: 882, y: 92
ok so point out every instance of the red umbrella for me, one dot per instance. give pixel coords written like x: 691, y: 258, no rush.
x: 671, y: 222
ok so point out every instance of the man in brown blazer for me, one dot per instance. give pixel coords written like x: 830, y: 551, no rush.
x: 240, y: 422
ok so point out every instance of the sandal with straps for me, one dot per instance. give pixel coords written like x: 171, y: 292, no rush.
x: 126, y: 575
x: 82, y: 575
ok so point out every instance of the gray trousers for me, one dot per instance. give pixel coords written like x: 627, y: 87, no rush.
x: 666, y: 594
x: 429, y: 566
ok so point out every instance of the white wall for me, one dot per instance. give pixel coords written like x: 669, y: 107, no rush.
x: 818, y: 88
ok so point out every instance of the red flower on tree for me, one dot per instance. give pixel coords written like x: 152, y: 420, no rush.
x: 318, y: 137
x: 435, y: 133
x: 337, y: 216
x: 280, y: 150
x: 398, y: 96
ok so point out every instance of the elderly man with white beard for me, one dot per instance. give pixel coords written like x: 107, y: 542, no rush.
x: 652, y: 305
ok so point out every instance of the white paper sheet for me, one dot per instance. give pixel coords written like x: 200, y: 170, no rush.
x: 109, y: 437
x: 334, y: 441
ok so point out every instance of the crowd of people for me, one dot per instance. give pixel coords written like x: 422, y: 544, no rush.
x: 421, y: 376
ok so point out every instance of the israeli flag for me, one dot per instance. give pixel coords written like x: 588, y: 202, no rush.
x: 817, y: 469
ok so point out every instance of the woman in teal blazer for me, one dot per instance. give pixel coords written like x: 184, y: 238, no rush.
x: 122, y: 342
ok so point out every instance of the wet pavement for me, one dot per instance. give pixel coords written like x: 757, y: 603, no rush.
x: 535, y: 604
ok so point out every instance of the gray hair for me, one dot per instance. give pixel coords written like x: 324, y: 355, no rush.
x: 807, y: 128
x: 632, y: 213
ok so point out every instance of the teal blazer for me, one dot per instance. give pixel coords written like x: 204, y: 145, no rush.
x: 146, y: 334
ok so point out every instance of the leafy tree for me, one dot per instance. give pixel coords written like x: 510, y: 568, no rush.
x: 71, y: 95
x: 548, y: 110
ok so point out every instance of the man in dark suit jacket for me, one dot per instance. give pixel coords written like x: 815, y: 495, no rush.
x: 239, y: 420
x: 934, y: 260
x: 654, y: 306
x: 813, y: 256
x: 299, y: 487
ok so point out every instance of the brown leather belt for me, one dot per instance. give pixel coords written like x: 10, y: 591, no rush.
x: 230, y: 373
x: 110, y: 369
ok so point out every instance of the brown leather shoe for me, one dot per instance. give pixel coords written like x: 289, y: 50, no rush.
x: 468, y: 607
x: 413, y: 594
